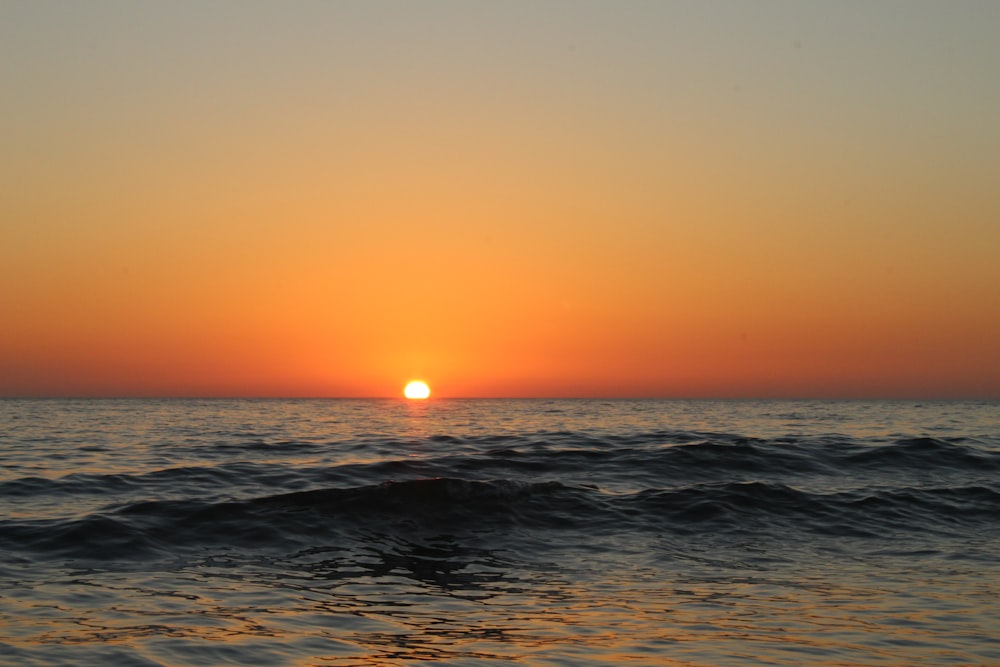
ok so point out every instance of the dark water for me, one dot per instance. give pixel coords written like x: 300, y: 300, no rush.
x: 353, y: 532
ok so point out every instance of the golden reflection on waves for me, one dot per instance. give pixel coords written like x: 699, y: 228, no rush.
x: 389, y: 601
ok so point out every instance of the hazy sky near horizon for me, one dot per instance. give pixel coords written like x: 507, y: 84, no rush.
x: 505, y: 199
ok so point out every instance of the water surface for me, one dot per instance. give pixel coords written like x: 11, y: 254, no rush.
x: 467, y: 532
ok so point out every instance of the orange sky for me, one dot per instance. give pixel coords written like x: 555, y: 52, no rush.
x: 555, y: 199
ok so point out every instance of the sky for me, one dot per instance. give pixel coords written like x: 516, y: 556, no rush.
x: 608, y: 199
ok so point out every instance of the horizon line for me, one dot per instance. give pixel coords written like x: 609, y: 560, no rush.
x: 264, y: 397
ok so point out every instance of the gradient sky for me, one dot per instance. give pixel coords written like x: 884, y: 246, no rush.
x: 771, y: 199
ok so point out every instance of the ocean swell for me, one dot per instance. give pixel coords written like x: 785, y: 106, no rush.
x: 318, y: 516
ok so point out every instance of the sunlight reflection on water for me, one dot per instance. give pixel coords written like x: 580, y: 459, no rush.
x: 441, y: 600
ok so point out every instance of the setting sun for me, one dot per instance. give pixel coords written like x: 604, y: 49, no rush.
x: 417, y: 389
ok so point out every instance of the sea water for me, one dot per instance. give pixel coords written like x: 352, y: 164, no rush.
x: 488, y: 532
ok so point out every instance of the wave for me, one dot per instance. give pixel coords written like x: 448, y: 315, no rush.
x: 672, y: 455
x: 449, y: 505
x: 955, y: 453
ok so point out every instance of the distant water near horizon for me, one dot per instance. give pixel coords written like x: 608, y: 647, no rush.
x: 142, y: 532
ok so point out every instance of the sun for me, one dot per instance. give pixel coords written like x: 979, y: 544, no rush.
x: 417, y: 389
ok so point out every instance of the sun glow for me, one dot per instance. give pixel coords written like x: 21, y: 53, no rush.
x: 417, y: 389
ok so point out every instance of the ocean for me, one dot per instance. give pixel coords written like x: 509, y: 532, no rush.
x: 141, y: 532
